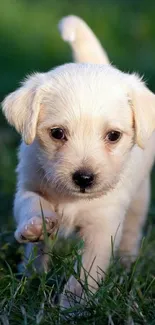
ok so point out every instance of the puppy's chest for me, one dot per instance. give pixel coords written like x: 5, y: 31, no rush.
x: 69, y: 212
x: 76, y: 213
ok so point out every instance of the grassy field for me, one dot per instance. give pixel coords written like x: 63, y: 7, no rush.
x: 123, y: 298
x: 29, y: 41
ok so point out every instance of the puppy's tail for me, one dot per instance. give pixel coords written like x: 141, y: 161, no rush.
x: 84, y: 44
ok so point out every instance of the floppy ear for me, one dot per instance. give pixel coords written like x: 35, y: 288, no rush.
x: 22, y: 107
x: 143, y: 105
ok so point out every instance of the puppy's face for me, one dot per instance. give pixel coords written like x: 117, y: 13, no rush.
x: 85, y: 131
x: 86, y: 119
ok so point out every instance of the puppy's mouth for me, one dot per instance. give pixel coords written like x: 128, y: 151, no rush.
x: 82, y: 190
x: 85, y: 193
x: 92, y: 192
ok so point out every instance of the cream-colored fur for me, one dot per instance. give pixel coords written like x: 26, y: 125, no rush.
x: 87, y: 101
x: 84, y: 44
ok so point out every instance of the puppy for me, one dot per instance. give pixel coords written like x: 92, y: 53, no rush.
x: 86, y: 156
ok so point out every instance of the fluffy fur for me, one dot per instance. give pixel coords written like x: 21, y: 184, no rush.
x: 84, y: 44
x: 87, y: 101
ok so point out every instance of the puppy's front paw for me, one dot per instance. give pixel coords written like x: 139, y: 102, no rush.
x: 32, y: 230
x: 72, y: 294
x: 127, y: 261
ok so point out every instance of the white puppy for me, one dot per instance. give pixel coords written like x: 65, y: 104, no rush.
x: 86, y: 156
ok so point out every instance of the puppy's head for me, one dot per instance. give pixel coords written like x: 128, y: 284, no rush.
x: 86, y: 119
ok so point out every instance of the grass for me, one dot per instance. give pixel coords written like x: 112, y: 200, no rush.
x: 123, y: 298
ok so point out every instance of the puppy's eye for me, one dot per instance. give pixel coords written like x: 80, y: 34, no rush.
x: 113, y: 136
x: 58, y: 134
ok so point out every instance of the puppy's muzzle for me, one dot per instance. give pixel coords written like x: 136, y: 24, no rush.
x: 84, y: 179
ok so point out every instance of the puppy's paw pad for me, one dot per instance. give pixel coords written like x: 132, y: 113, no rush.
x: 33, y: 230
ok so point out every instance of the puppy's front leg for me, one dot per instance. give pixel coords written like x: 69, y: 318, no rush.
x: 133, y: 224
x: 28, y: 208
x: 95, y: 260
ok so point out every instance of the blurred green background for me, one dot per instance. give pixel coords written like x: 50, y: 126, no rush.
x: 29, y: 41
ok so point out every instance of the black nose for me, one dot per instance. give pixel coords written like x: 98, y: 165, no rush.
x: 83, y: 179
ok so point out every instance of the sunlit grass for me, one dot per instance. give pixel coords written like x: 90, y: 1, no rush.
x: 123, y: 298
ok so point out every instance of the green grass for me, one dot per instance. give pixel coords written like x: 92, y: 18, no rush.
x: 123, y: 298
